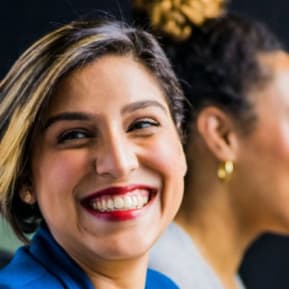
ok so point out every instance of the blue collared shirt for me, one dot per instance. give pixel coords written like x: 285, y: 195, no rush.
x: 45, y: 265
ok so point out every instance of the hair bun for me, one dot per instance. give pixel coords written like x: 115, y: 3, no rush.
x: 177, y: 17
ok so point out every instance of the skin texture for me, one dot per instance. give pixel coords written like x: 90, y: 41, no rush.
x: 267, y: 151
x: 119, y: 143
x: 255, y: 199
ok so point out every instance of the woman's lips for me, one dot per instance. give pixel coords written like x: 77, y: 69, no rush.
x: 120, y: 203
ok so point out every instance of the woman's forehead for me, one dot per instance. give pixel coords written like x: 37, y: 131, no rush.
x: 112, y: 76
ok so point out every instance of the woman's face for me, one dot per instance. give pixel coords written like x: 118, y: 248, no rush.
x: 108, y: 164
x: 263, y: 161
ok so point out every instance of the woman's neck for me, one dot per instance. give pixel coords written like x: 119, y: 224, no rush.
x: 219, y: 234
x: 124, y: 274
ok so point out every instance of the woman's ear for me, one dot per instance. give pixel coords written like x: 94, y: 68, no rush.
x: 218, y: 132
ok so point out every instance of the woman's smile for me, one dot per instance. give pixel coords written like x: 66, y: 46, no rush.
x: 120, y: 203
x: 106, y: 173
x: 89, y: 143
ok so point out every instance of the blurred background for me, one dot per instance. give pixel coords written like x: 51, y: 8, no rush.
x: 22, y: 22
x: 266, y: 264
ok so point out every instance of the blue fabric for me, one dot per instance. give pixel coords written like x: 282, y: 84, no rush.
x: 45, y: 265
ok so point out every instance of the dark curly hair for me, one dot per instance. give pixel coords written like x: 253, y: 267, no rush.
x: 218, y: 65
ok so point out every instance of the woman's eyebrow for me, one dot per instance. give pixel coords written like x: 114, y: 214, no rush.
x: 66, y: 116
x: 141, y: 105
x: 86, y: 116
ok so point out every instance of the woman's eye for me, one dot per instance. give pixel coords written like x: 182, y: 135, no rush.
x: 142, y: 124
x: 73, y: 135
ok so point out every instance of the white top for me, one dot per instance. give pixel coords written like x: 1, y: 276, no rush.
x: 176, y: 255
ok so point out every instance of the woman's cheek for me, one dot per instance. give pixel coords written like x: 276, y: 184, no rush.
x: 168, y: 154
x: 62, y: 168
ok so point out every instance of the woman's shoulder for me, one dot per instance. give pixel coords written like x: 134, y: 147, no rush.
x: 156, y: 280
x: 24, y: 272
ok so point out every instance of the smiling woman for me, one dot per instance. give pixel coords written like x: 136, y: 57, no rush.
x: 90, y: 125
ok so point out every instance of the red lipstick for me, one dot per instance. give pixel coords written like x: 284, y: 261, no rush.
x: 120, y: 203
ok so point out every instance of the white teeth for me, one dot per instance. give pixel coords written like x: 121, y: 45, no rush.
x: 95, y: 205
x: 117, y: 203
x: 103, y: 204
x: 145, y: 199
x: 127, y: 202
x: 139, y: 201
x: 134, y: 201
x: 110, y: 204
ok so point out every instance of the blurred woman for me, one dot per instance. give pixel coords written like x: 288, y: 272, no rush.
x: 90, y: 122
x: 235, y: 74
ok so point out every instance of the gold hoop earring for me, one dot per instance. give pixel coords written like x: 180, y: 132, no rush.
x: 225, y: 170
x: 28, y: 198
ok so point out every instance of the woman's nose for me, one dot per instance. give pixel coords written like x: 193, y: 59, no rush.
x: 116, y: 157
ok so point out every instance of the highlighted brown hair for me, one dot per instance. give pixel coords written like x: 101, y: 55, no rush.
x: 25, y: 92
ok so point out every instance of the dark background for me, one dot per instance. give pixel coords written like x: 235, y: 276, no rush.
x: 266, y: 265
x: 23, y: 21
